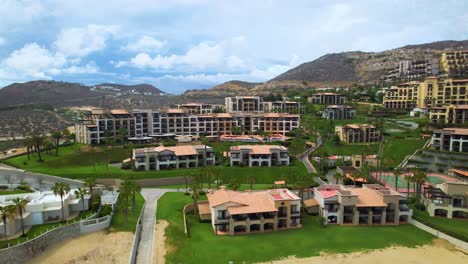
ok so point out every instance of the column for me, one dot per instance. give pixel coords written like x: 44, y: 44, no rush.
x: 383, y: 221
x: 370, y: 216
x: 355, y: 216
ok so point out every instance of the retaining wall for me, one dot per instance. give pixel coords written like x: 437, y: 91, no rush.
x: 148, y: 182
x: 187, y: 208
x: 136, y: 238
x: 457, y: 242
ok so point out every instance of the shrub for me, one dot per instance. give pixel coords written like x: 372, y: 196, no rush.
x: 3, y: 187
x: 106, y: 210
x: 201, y: 192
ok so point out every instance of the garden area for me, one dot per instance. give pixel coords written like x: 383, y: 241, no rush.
x: 77, y: 161
x: 119, y: 223
x: 203, y: 246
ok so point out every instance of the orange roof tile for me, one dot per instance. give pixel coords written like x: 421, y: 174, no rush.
x: 310, y: 202
x: 204, y: 208
x: 461, y: 172
x: 368, y: 198
x: 259, y: 149
x: 178, y: 150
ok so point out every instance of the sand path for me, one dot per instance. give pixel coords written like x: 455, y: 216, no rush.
x: 439, y: 252
x: 160, y: 245
x: 98, y: 247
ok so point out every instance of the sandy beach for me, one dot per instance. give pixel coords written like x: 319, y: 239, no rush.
x: 98, y: 247
x: 439, y: 252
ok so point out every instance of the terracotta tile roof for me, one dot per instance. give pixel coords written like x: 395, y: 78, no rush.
x: 457, y: 131
x: 249, y: 202
x: 367, y: 198
x: 204, y: 208
x: 310, y: 202
x: 327, y: 193
x: 460, y: 172
x: 119, y: 112
x: 461, y: 107
x: 360, y: 179
x: 259, y: 149
x: 178, y: 150
x: 175, y: 110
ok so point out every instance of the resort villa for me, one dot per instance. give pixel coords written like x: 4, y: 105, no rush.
x: 233, y: 213
x: 338, y: 112
x: 450, y: 139
x: 358, y: 133
x: 259, y: 155
x: 449, y: 199
x: 373, y: 204
x: 42, y: 208
x: 158, y: 158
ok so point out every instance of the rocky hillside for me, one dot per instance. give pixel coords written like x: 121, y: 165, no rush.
x: 231, y: 88
x: 335, y: 70
x: 64, y: 94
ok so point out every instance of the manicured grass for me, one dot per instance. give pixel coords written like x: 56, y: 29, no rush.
x: 7, y: 192
x: 396, y: 149
x: 457, y: 228
x: 75, y: 162
x: 243, y: 187
x: 118, y: 220
x: 205, y: 247
x: 332, y: 148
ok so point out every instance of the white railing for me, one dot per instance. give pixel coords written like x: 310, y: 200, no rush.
x: 136, y: 237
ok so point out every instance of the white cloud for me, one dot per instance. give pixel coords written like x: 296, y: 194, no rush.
x: 83, y: 41
x: 90, y: 67
x: 145, y: 44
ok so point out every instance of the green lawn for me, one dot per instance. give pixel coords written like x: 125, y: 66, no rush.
x: 331, y: 148
x: 118, y: 220
x: 74, y: 162
x: 396, y: 149
x: 7, y: 192
x: 457, y: 228
x: 243, y: 187
x: 205, y: 247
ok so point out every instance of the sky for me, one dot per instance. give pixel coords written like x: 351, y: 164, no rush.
x: 194, y: 44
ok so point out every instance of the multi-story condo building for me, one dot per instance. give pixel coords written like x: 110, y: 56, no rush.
x: 291, y: 107
x: 449, y: 114
x: 359, y: 161
x: 233, y: 213
x: 244, y: 104
x: 450, y: 139
x: 101, y: 123
x: 455, y: 63
x: 42, y: 208
x: 354, y: 133
x: 338, y: 112
x: 200, y: 109
x: 373, y: 204
x: 413, y: 69
x: 431, y: 92
x: 448, y: 199
x: 259, y: 155
x: 158, y: 158
x: 327, y: 99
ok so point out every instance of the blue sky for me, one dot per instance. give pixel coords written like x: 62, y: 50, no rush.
x: 187, y: 44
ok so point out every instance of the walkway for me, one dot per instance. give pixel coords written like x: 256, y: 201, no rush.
x: 146, y: 244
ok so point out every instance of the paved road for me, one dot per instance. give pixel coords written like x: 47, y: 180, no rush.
x: 146, y: 245
x: 40, y: 182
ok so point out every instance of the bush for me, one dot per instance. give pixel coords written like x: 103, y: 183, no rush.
x: 201, y: 192
x: 3, y: 187
x: 95, y: 203
x: 106, y: 210
x: 126, y: 166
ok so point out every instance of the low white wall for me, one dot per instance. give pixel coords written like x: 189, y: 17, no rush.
x: 93, y: 225
x: 437, y: 233
x: 136, y: 237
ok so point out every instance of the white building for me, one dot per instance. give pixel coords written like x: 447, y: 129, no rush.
x: 259, y: 155
x: 450, y: 139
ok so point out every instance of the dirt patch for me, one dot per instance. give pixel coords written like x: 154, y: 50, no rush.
x: 160, y: 246
x: 440, y: 251
x: 98, y: 247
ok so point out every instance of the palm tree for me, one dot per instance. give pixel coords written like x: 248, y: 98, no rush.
x: 37, y: 140
x: 338, y: 177
x: 20, y: 205
x: 90, y: 183
x: 56, y: 136
x: 397, y: 173
x: 80, y: 193
x: 251, y: 182
x: 408, y: 179
x: 61, y: 189
x: 194, y: 186
x: 134, y: 189
x: 7, y: 212
x: 125, y: 191
x: 29, y: 145
x: 419, y: 178
x: 122, y: 132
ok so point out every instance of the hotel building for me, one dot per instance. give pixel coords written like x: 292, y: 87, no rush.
x: 233, y: 213
x: 432, y: 92
x: 449, y: 114
x: 158, y: 158
x: 373, y: 204
x: 358, y: 133
x: 450, y: 139
x: 339, y: 112
x: 448, y: 199
x: 291, y: 107
x: 244, y: 104
x: 327, y: 99
x: 259, y: 155
x: 455, y: 63
x: 413, y: 69
x: 200, y: 109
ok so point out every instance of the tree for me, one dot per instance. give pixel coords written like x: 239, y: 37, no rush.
x: 56, y: 137
x: 251, y: 182
x: 194, y: 186
x: 29, y: 145
x: 61, y: 189
x: 419, y: 178
x: 40, y: 182
x: 7, y: 212
x: 80, y: 193
x: 37, y: 140
x: 338, y: 177
x: 397, y: 173
x: 408, y: 180
x: 122, y: 133
x: 20, y: 205
x: 134, y: 189
x: 125, y: 192
x: 90, y: 183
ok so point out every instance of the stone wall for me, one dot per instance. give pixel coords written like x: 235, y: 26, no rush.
x: 23, y: 253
